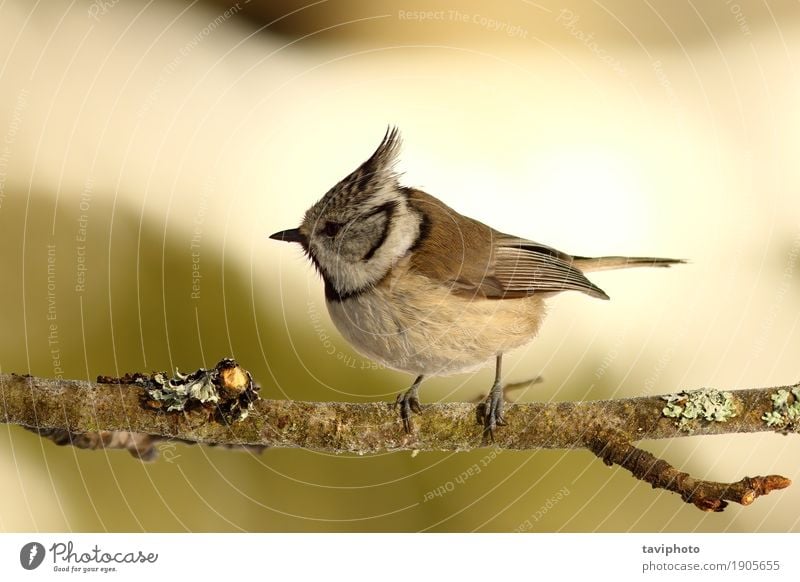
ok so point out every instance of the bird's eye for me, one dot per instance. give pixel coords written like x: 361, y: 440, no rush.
x: 331, y: 228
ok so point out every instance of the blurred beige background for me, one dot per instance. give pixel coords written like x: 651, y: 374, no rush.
x: 142, y: 142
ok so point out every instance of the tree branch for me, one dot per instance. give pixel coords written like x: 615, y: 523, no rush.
x: 220, y: 406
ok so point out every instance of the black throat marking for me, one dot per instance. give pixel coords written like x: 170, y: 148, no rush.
x: 331, y: 294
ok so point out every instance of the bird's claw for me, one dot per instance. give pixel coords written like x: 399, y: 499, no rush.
x: 490, y: 412
x: 408, y: 402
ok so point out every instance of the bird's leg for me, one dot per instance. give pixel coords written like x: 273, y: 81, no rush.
x: 490, y: 411
x: 408, y: 402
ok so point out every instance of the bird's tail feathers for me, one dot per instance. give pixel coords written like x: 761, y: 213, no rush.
x: 588, y: 264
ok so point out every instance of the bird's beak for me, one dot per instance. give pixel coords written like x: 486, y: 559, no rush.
x: 291, y: 235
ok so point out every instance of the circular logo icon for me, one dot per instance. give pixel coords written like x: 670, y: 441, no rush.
x: 31, y: 555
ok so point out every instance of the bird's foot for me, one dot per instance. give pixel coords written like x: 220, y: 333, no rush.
x: 490, y: 412
x: 408, y: 402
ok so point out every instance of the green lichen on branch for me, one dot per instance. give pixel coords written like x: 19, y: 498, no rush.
x: 785, y: 412
x: 226, y: 389
x: 708, y: 404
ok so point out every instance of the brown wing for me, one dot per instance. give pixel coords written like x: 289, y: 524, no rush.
x: 527, y: 267
x: 475, y: 259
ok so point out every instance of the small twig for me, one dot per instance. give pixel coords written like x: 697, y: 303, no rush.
x: 614, y: 449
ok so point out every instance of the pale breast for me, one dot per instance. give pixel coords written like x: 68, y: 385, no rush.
x: 411, y: 323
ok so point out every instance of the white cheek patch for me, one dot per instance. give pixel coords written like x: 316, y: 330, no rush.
x: 403, y: 233
x: 403, y: 230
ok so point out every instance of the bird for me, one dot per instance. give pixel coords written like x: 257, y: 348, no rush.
x: 418, y: 287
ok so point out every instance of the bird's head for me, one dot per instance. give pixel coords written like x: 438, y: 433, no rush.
x: 361, y: 226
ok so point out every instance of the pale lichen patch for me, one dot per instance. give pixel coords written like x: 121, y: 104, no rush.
x: 176, y: 392
x: 226, y: 388
x: 785, y: 412
x: 705, y: 404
